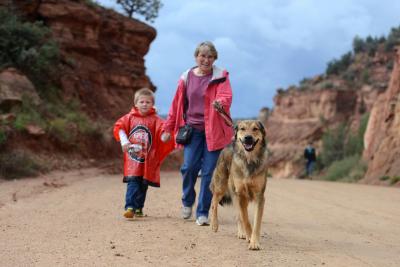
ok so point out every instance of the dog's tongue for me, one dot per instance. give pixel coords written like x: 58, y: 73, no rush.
x: 248, y: 146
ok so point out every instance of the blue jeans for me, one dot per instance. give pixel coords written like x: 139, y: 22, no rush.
x: 135, y: 194
x: 309, y: 167
x: 196, y: 157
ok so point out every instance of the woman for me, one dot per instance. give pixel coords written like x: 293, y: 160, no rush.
x: 204, y: 87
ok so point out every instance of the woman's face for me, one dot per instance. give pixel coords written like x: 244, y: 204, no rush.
x: 205, y: 60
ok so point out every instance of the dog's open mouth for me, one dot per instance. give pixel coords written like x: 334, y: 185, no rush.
x: 249, y: 145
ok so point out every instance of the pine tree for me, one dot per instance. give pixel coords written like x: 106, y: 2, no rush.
x: 146, y: 8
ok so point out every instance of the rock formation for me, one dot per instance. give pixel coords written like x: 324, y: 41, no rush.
x: 302, y: 114
x: 13, y: 87
x: 300, y: 117
x: 382, y: 138
x: 102, y: 52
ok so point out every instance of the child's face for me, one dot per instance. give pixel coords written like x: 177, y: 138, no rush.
x: 144, y: 104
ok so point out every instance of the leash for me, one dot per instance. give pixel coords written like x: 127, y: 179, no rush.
x: 227, y: 119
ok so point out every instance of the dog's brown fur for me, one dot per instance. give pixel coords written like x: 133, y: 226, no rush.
x: 242, y: 175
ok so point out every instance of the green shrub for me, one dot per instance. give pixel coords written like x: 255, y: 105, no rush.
x: 3, y: 136
x: 338, y: 66
x: 355, y: 142
x: 358, y: 45
x: 341, y: 169
x: 91, y: 3
x: 393, y: 39
x: 333, y: 142
x: 340, y: 142
x: 85, y: 125
x: 389, y: 65
x: 60, y: 129
x: 394, y: 180
x: 365, y: 77
x: 328, y: 85
x: 341, y: 153
x: 280, y: 91
x: 357, y: 172
x: 28, y: 114
x: 17, y: 164
x: 28, y: 47
x: 384, y: 178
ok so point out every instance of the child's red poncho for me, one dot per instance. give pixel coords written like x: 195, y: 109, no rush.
x: 143, y: 130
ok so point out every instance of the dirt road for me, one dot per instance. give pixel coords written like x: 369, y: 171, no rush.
x: 64, y: 220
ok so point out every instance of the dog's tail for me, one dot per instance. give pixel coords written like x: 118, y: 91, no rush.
x: 219, y: 182
x: 226, y: 199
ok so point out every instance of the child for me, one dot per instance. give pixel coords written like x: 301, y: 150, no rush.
x: 139, y: 132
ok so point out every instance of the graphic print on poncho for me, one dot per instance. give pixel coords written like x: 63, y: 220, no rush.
x: 141, y: 140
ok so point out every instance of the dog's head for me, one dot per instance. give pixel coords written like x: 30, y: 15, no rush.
x: 250, y: 134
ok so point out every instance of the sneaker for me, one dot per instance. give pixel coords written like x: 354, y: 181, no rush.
x: 139, y: 213
x: 129, y: 213
x: 202, y: 220
x: 186, y: 212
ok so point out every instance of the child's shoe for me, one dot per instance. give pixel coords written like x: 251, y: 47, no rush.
x: 139, y: 213
x: 129, y: 213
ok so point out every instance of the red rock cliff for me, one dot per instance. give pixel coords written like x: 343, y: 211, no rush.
x: 102, y: 52
x: 302, y: 114
x: 300, y: 117
x: 382, y: 137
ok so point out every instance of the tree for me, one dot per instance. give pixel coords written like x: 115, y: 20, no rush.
x: 358, y: 45
x: 146, y: 8
x: 29, y: 48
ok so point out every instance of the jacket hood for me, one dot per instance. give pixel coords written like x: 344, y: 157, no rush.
x: 135, y: 111
x: 217, y: 74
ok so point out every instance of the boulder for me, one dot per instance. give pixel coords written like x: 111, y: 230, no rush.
x: 13, y: 87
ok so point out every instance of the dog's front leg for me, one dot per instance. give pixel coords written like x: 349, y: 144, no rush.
x: 244, y: 216
x: 255, y: 235
x: 241, y: 234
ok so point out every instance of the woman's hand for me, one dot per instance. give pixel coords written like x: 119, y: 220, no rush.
x: 165, y: 137
x: 217, y: 105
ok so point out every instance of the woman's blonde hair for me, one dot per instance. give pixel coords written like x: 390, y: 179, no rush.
x: 143, y: 92
x: 210, y: 47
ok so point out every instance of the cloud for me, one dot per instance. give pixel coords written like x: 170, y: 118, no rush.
x: 263, y: 44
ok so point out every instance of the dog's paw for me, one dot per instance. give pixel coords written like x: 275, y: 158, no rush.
x: 241, y: 235
x: 254, y: 245
x: 214, y: 226
x: 214, y: 223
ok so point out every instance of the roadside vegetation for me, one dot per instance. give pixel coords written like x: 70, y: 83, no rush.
x: 29, y: 48
x: 346, y: 67
x: 340, y: 159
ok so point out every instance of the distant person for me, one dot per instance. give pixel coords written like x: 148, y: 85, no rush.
x: 311, y: 158
x: 202, y: 101
x: 139, y: 132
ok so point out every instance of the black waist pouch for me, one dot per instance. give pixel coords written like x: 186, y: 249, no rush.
x: 184, y: 135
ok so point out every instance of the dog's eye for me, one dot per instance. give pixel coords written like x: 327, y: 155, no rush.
x: 255, y: 129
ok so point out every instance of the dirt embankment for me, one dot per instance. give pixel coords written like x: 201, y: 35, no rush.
x: 75, y: 219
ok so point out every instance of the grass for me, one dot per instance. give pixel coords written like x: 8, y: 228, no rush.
x: 394, y: 180
x: 348, y: 169
x: 18, y: 164
x: 3, y: 137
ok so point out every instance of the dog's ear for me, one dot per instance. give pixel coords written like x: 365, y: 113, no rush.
x: 262, y: 129
x: 236, y: 130
x: 235, y: 138
x: 261, y: 126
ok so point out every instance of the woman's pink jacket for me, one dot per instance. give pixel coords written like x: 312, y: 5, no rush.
x: 218, y: 133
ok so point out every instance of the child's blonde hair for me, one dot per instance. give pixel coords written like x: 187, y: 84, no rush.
x: 143, y: 92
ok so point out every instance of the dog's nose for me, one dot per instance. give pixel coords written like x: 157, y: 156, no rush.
x: 248, y: 139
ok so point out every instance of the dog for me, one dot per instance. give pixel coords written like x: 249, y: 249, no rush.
x: 240, y: 176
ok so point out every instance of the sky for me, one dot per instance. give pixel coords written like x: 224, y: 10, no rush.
x: 264, y: 44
